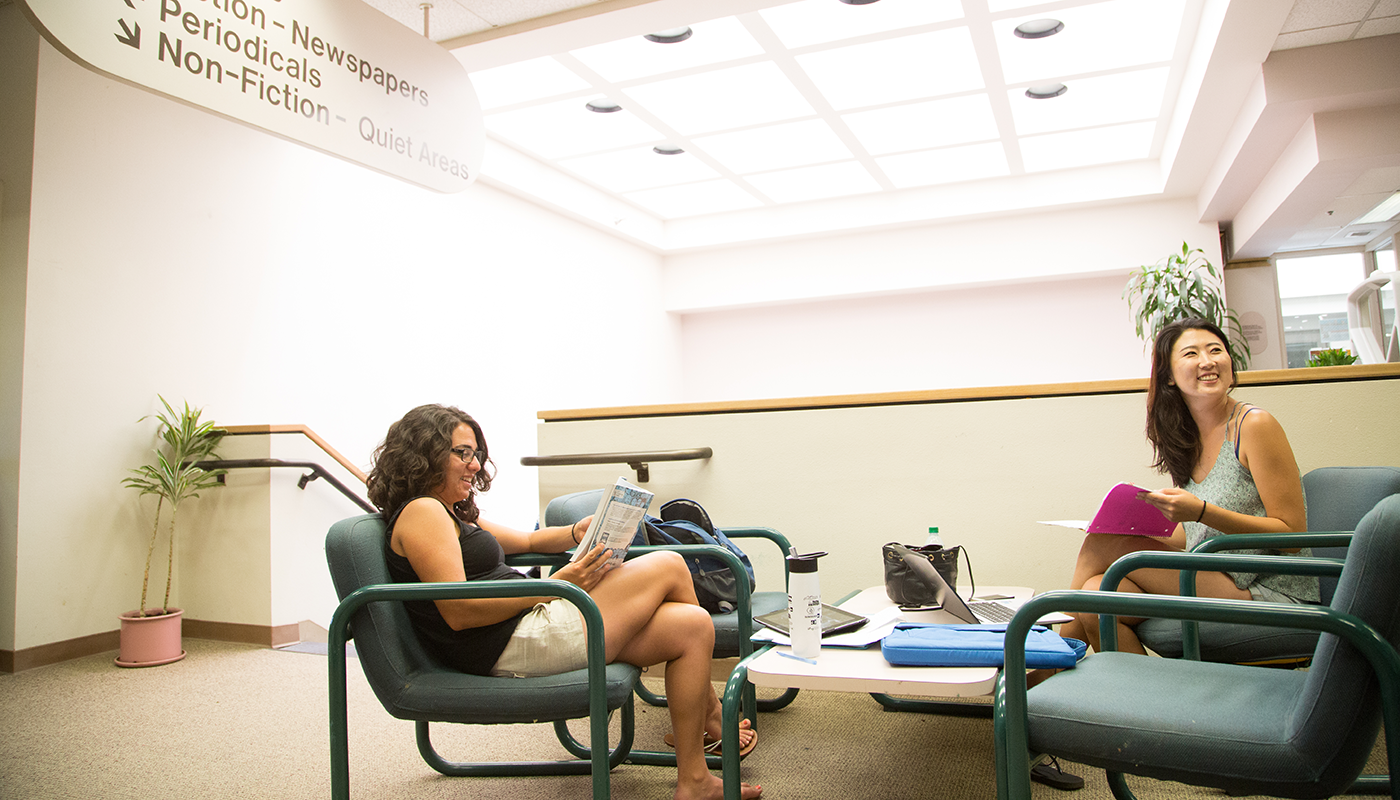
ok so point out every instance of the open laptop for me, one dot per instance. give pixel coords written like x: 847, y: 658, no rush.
x: 987, y: 612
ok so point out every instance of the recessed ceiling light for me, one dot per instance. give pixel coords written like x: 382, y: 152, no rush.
x: 669, y: 36
x: 667, y: 150
x: 1046, y: 91
x: 859, y: 2
x: 602, y: 106
x: 1039, y: 28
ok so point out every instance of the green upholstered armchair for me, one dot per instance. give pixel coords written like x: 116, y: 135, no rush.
x: 1286, y: 733
x: 412, y: 684
x: 1338, y: 497
x: 732, y: 629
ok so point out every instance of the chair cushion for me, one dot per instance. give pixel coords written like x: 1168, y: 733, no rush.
x: 445, y: 695
x: 570, y: 508
x: 1102, y: 713
x: 1229, y: 642
x: 727, y: 625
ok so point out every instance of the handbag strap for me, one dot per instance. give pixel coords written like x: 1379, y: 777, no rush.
x: 970, y: 577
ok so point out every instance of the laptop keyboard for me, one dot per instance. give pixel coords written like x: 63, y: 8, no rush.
x: 991, y: 611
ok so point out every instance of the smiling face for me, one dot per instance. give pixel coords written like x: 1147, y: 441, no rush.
x: 457, y: 475
x: 1200, y: 364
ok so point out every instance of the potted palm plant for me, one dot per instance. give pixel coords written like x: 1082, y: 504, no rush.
x: 151, y: 636
x: 1179, y: 286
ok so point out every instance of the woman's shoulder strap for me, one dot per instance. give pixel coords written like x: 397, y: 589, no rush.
x: 1241, y: 411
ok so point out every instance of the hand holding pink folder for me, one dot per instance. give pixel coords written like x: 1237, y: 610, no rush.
x: 1123, y: 513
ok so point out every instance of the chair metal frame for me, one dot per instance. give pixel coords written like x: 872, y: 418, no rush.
x: 1010, y: 723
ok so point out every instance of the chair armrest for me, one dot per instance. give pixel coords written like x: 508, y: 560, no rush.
x: 1009, y: 714
x: 539, y: 559
x: 1273, y: 541
x: 340, y: 620
x: 1191, y: 563
x: 772, y: 535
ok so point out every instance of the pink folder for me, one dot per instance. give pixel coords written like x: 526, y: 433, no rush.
x: 1123, y: 513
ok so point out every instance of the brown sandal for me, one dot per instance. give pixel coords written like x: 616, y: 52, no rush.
x: 712, y: 745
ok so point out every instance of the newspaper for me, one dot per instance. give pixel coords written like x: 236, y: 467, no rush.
x: 615, y: 522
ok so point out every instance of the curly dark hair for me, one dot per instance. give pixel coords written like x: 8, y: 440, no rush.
x: 409, y: 462
x: 1176, y: 441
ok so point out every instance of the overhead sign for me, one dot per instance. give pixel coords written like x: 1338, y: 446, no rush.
x: 335, y: 75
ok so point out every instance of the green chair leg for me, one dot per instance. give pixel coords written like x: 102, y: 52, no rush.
x: 1118, y: 784
x: 764, y: 704
x: 778, y: 703
x: 944, y: 707
x: 1370, y: 784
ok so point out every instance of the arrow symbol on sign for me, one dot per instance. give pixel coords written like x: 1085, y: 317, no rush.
x: 131, y: 39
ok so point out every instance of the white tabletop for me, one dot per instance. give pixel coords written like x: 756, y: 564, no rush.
x: 852, y: 670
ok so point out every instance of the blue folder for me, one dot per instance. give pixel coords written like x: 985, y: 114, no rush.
x: 930, y: 645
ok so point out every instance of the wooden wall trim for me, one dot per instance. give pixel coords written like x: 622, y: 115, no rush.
x: 1271, y: 377
x: 249, y: 430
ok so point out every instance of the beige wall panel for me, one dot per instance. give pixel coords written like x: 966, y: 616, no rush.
x: 848, y: 480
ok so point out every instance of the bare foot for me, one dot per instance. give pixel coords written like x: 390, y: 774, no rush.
x: 712, y: 788
x: 714, y: 725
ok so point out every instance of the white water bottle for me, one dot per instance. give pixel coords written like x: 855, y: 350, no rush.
x: 804, y: 604
x: 933, y: 538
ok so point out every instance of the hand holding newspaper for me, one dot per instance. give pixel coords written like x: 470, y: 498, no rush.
x: 620, y: 511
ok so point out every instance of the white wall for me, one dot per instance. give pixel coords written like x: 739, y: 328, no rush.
x: 173, y: 251
x: 1099, y: 240
x: 1039, y: 332
x: 1019, y: 300
x: 19, y: 47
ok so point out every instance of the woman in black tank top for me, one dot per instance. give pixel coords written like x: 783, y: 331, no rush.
x: 425, y: 478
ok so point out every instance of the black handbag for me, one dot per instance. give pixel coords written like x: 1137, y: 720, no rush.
x: 905, y: 588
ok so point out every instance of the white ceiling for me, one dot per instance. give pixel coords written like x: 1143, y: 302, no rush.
x: 815, y: 115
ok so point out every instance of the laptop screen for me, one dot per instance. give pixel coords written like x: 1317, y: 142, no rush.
x: 943, y: 594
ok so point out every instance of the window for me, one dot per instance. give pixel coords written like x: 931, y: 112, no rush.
x: 1385, y: 262
x: 1313, y: 294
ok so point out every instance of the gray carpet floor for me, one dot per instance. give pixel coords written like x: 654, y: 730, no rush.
x: 238, y: 721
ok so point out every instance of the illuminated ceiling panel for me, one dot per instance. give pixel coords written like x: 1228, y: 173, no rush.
x: 819, y: 99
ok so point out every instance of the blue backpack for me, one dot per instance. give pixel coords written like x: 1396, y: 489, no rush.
x: 685, y: 522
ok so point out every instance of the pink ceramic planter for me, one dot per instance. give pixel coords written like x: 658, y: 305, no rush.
x: 151, y: 640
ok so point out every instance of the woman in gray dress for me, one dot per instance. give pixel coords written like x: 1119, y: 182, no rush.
x: 1232, y: 471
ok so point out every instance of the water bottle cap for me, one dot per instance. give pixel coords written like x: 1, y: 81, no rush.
x: 934, y: 529
x: 806, y: 562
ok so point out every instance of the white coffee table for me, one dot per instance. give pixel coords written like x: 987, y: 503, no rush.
x: 866, y: 670
x: 853, y: 670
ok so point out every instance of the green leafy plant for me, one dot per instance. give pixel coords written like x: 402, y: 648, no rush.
x: 174, y: 477
x: 1335, y: 357
x: 1179, y: 286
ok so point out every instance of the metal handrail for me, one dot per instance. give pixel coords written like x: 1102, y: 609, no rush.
x: 638, y: 461
x: 317, y: 471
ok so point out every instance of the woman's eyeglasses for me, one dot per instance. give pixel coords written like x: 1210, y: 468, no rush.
x: 467, y: 454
